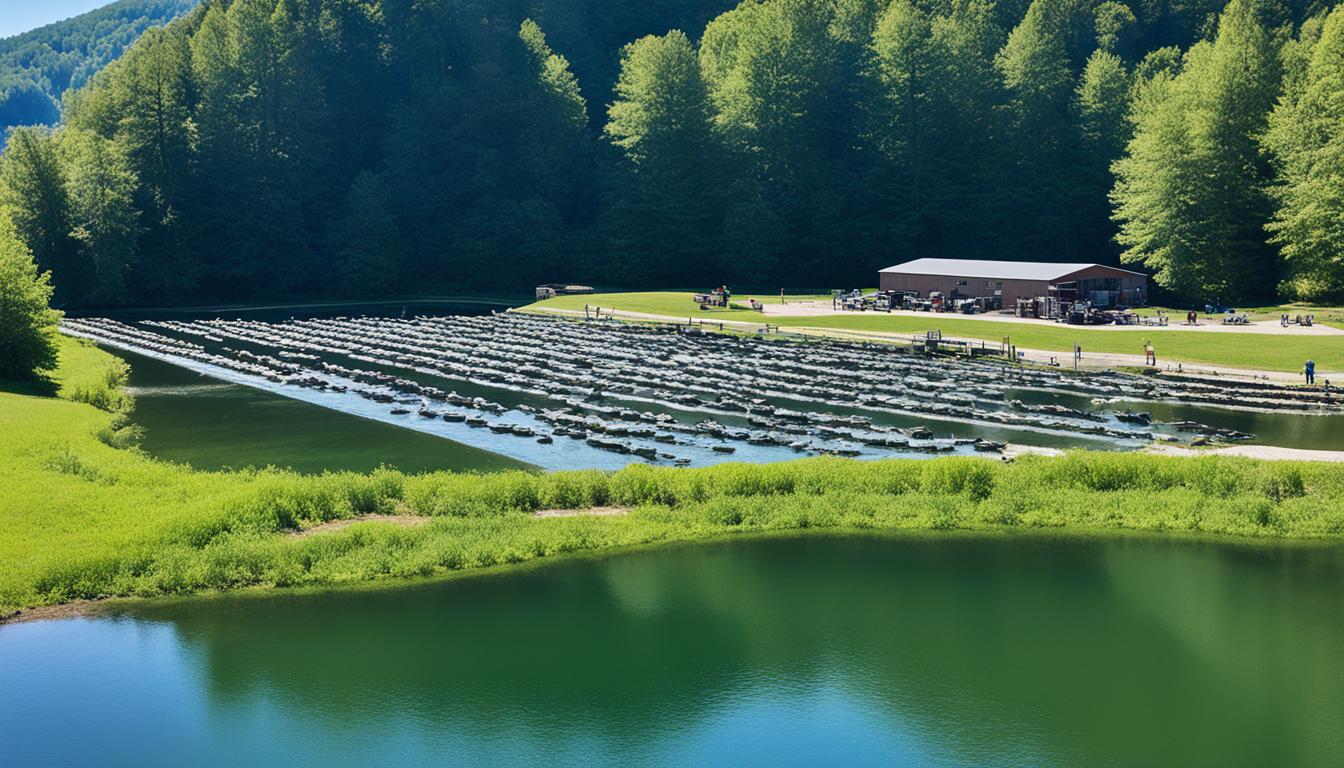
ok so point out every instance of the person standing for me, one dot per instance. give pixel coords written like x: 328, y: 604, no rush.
x: 1310, y: 370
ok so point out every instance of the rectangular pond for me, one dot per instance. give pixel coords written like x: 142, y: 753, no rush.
x: 563, y: 394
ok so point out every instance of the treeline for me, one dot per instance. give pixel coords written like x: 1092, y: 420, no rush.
x: 365, y: 147
x: 37, y: 67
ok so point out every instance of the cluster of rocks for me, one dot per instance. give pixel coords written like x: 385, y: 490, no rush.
x: 644, y: 390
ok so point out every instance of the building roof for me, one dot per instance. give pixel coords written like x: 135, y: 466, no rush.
x: 996, y: 270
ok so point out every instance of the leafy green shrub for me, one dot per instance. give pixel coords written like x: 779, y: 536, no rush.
x: 973, y: 477
x: 1279, y: 481
x: 462, y: 495
x: 67, y: 462
x: 573, y: 490
x: 105, y: 391
x: 27, y: 322
x: 641, y: 484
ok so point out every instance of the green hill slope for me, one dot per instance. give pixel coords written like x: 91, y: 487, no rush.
x: 37, y: 67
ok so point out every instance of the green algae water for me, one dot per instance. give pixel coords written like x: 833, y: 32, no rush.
x: 212, y: 424
x: 802, y: 651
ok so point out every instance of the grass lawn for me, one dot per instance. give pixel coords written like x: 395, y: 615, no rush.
x: 1258, y: 351
x: 80, y: 518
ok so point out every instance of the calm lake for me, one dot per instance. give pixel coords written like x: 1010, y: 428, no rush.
x: 822, y: 651
x: 213, y: 424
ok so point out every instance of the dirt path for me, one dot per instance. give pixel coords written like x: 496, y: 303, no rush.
x: 1089, y: 361
x: 413, y: 521
x: 1206, y: 325
x: 590, y: 512
x: 1266, y: 452
x: 409, y: 521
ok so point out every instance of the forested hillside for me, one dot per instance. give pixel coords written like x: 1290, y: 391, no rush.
x: 361, y: 147
x: 37, y: 67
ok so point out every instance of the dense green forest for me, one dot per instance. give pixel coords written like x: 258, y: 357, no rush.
x: 263, y: 148
x: 37, y: 67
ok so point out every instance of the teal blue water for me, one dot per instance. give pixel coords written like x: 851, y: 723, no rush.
x: 785, y: 652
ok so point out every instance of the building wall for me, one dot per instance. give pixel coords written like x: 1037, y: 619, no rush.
x: 1133, y: 288
x: 1011, y: 290
x: 973, y: 287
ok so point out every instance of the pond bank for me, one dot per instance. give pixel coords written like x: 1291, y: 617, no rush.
x: 87, y: 520
x: 114, y: 606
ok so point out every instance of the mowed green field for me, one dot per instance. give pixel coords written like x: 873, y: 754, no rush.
x: 1286, y: 352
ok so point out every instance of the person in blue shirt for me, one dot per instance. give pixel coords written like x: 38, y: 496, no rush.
x: 1310, y: 370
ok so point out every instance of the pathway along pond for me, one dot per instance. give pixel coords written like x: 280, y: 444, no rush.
x: 823, y: 651
x: 563, y: 394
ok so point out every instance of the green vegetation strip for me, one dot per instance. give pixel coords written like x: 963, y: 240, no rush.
x: 83, y: 518
x: 1259, y: 351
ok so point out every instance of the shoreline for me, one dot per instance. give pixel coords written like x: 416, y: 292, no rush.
x: 161, y: 530
x: 117, y: 606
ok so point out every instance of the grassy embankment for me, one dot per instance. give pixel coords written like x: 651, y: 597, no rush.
x: 1238, y: 350
x: 81, y: 518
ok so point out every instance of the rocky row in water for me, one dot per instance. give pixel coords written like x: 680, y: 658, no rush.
x: 630, y: 388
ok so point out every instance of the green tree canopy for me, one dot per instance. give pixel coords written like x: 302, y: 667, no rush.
x: 1306, y: 136
x: 1191, y: 193
x: 274, y: 148
x: 27, y: 322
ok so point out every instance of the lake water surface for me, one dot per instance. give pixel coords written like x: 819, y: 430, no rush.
x: 822, y: 651
x: 214, y: 424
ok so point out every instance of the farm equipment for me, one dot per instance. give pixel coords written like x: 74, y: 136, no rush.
x: 715, y: 299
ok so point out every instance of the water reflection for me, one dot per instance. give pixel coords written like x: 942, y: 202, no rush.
x: 212, y: 425
x: 785, y: 652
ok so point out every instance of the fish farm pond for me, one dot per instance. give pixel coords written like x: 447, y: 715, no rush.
x: 507, y: 389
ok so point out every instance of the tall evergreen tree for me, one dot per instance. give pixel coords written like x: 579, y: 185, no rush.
x: 33, y: 189
x: 666, y: 222
x: 931, y: 112
x: 364, y: 239
x: 1103, y: 105
x: 1038, y: 194
x: 774, y: 72
x: 149, y: 101
x: 1306, y: 136
x: 105, y: 221
x: 1191, y: 192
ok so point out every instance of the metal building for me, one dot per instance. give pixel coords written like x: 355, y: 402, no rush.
x: 1013, y: 280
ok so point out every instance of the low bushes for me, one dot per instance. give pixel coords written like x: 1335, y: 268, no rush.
x: 233, y: 528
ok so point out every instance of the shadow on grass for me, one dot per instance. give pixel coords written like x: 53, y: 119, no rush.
x: 44, y: 386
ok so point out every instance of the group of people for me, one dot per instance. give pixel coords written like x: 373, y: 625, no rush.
x: 1308, y: 320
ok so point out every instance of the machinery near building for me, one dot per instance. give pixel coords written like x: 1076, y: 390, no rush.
x: 1073, y: 293
x: 551, y: 290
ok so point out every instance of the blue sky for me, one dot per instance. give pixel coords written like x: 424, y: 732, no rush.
x: 22, y: 15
